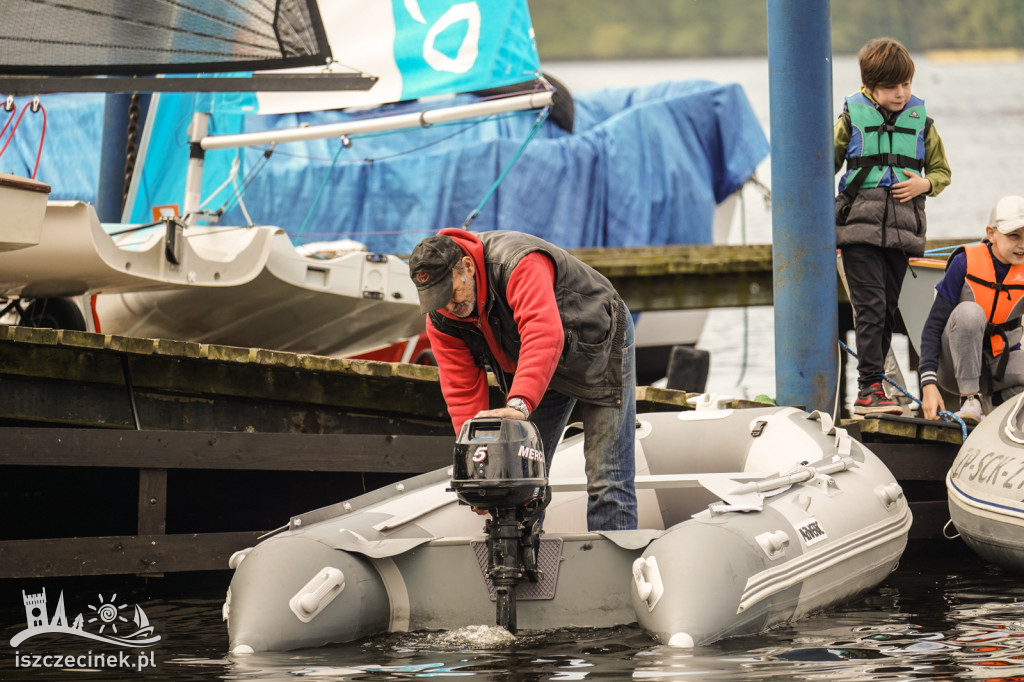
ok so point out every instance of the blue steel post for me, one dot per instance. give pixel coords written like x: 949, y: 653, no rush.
x: 803, y: 212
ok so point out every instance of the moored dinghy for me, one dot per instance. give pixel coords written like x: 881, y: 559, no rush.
x: 985, y: 485
x: 748, y: 519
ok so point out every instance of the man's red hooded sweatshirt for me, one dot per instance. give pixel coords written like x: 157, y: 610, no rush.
x: 530, y: 293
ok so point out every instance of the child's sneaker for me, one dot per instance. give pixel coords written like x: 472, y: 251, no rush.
x: 872, y: 400
x: 970, y: 409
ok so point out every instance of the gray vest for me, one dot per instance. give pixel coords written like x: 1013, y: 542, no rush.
x: 592, y: 313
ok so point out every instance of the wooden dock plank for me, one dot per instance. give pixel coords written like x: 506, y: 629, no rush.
x: 682, y: 277
x: 152, y: 501
x: 224, y: 450
x: 129, y: 554
x: 879, y: 429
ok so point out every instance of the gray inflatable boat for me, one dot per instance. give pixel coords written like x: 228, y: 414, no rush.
x: 985, y: 485
x: 748, y: 519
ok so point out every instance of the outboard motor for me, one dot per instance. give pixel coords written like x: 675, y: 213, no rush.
x: 499, y: 467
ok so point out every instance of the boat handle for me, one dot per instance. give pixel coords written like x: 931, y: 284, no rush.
x: 945, y: 530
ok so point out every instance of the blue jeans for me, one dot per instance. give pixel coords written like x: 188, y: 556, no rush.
x: 609, y: 441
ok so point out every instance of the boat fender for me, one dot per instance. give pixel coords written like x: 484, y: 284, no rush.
x: 774, y: 543
x: 315, y: 595
x: 889, y: 494
x: 647, y: 579
x: 236, y: 559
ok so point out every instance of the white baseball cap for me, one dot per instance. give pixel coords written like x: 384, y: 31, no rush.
x: 1008, y: 214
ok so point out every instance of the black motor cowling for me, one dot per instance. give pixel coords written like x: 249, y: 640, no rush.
x: 499, y: 463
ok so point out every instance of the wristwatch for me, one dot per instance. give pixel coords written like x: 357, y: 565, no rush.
x: 520, y: 405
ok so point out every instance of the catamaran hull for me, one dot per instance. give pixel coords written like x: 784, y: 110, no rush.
x: 985, y: 485
x: 410, y: 558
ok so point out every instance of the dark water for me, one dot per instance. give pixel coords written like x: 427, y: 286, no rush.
x: 943, y: 615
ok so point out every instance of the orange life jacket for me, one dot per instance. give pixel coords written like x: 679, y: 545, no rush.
x: 999, y: 300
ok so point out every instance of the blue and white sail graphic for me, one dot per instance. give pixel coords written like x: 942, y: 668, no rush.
x: 416, y: 48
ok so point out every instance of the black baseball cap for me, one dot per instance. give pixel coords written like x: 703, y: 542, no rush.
x: 430, y: 268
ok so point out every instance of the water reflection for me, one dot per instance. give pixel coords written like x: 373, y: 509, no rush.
x: 957, y: 618
x: 984, y: 640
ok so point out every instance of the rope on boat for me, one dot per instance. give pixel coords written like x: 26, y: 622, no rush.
x: 237, y: 199
x: 36, y: 107
x: 487, y: 196
x: 945, y: 415
x: 745, y: 357
x: 944, y: 251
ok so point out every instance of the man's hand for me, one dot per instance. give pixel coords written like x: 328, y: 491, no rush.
x: 911, y: 187
x: 931, y: 401
x: 506, y: 412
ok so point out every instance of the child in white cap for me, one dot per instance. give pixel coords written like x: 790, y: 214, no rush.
x: 970, y: 344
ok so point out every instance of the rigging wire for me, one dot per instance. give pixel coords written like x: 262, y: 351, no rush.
x: 536, y: 126
x: 345, y: 143
x: 247, y: 179
x: 230, y: 204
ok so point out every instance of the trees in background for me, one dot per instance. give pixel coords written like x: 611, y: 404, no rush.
x: 613, y: 29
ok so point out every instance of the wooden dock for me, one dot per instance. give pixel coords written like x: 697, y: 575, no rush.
x: 127, y: 455
x: 137, y: 456
x: 689, y: 277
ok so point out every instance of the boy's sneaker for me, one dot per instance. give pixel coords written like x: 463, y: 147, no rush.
x: 970, y: 409
x: 872, y: 400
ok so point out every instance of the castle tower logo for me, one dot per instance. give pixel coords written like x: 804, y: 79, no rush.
x: 106, y: 621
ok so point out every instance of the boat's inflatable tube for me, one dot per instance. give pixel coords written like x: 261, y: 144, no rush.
x: 985, y: 487
x: 749, y: 519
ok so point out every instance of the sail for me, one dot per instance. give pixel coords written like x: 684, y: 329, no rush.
x: 414, y: 48
x: 146, y: 37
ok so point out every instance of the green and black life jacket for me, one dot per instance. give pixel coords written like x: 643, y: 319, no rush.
x: 880, y: 145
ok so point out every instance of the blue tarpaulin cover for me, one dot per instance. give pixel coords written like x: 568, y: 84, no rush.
x: 643, y: 166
